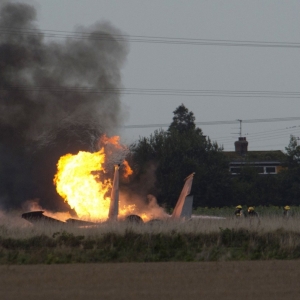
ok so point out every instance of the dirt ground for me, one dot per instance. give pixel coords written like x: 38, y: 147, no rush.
x: 205, y: 280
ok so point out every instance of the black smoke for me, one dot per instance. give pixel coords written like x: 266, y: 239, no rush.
x: 45, y: 111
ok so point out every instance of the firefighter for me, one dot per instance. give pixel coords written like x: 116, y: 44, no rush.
x: 252, y: 212
x: 238, y: 211
x: 286, y: 212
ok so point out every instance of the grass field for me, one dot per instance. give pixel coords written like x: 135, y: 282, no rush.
x: 175, y: 280
x: 265, y: 238
x: 13, y: 226
x: 228, y: 259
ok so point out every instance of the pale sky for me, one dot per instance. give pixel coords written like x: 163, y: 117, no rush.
x: 198, y: 67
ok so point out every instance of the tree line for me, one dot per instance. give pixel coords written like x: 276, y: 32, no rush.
x: 175, y: 153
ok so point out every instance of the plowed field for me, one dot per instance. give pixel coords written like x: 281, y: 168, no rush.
x: 204, y: 280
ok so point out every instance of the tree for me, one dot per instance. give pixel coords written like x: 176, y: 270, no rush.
x: 183, y: 121
x: 293, y: 153
x: 250, y: 188
x: 178, y: 152
x: 290, y: 176
x: 183, y: 149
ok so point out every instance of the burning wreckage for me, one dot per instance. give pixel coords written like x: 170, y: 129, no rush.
x: 183, y: 208
x: 80, y: 186
x: 60, y: 97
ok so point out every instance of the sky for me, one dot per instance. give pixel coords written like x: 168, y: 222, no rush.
x: 200, y: 67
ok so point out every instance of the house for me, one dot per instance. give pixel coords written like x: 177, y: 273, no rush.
x: 264, y: 162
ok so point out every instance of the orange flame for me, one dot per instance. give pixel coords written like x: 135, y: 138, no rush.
x: 114, y: 140
x: 83, y: 190
x: 79, y: 180
x: 127, y: 170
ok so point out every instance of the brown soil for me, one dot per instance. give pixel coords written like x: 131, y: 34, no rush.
x: 175, y: 280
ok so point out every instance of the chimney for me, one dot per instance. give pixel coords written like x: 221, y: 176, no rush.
x: 241, y: 146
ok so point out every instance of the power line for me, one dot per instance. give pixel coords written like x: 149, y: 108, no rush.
x: 253, y: 138
x: 217, y: 122
x: 274, y: 130
x: 182, y: 92
x: 228, y: 141
x: 274, y: 137
x: 271, y: 136
x: 146, y: 39
x: 283, y: 132
x: 157, y: 92
x: 262, y: 134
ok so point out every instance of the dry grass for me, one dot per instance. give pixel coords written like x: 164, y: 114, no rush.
x: 228, y: 239
x: 206, y: 281
x: 13, y: 226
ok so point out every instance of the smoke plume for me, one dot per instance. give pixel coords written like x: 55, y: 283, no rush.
x: 50, y: 102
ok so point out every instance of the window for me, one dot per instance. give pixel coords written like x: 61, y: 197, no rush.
x: 258, y: 169
x: 270, y: 170
x: 235, y: 170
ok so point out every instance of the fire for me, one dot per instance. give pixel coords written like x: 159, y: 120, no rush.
x: 80, y: 187
x: 127, y: 170
x: 80, y: 181
x: 114, y: 140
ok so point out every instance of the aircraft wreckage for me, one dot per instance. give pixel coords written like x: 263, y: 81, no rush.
x: 182, y: 210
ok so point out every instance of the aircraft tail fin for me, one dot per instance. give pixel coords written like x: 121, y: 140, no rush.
x: 187, y: 208
x: 114, y: 198
x: 183, y: 208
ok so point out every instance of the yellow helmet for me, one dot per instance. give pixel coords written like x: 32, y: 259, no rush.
x: 239, y: 207
x: 250, y: 208
x: 286, y: 207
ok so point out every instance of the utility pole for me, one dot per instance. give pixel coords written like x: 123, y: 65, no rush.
x: 240, y: 133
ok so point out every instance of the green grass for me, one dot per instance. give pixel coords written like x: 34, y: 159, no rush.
x: 227, y: 244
